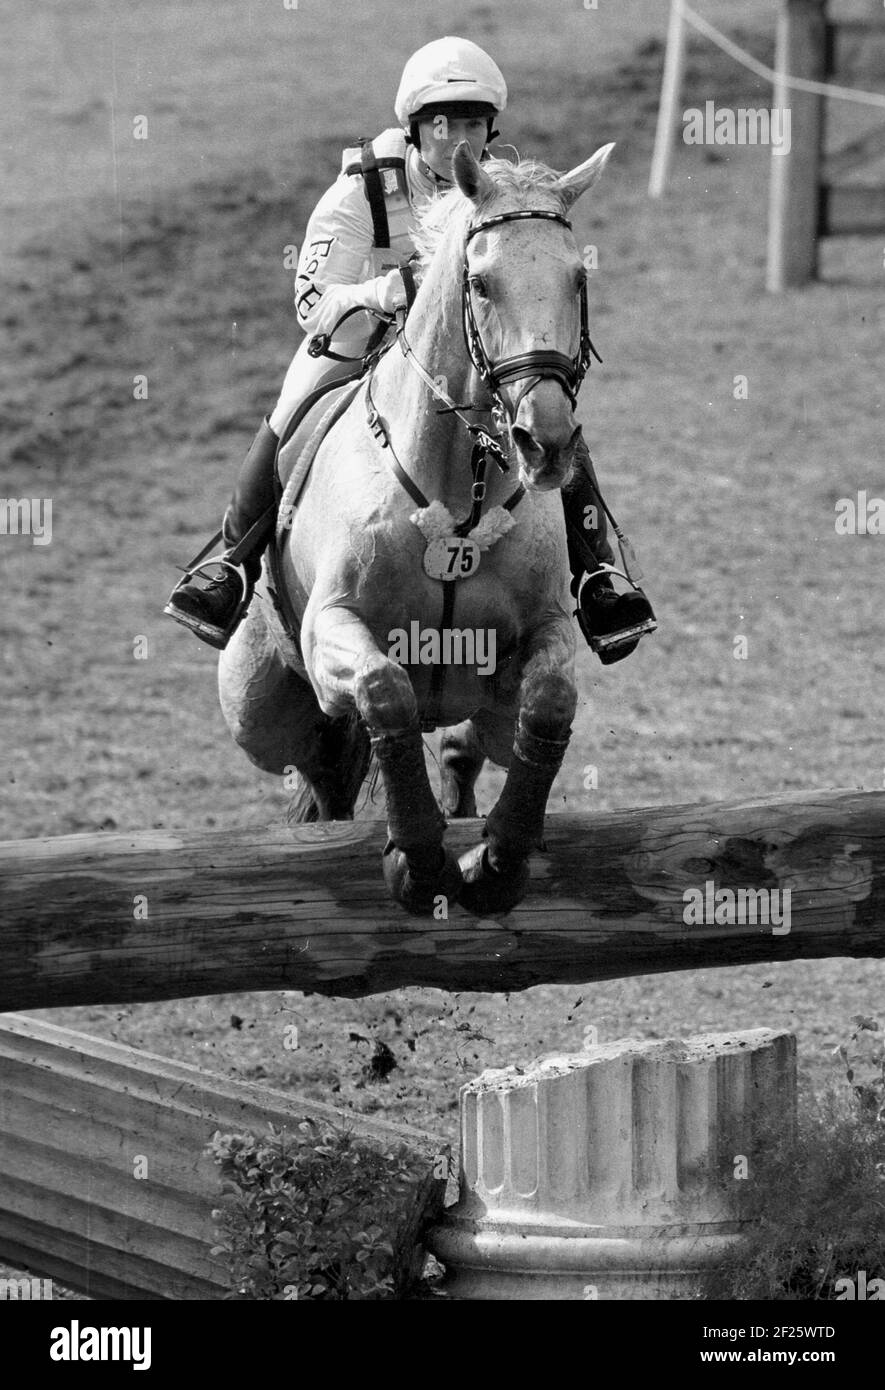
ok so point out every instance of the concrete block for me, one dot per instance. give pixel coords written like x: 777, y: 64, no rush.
x: 611, y: 1173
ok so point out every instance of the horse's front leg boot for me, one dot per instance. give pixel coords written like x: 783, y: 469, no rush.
x: 414, y: 821
x: 417, y: 868
x: 488, y: 891
x: 496, y: 874
x: 515, y: 825
x: 422, y: 889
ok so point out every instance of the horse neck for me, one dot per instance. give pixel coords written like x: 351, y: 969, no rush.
x: 434, y: 449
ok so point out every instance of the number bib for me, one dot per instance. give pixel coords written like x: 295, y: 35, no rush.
x: 451, y: 557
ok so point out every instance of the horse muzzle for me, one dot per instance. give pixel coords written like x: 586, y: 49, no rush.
x: 545, y: 438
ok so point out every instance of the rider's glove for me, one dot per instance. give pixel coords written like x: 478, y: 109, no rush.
x: 385, y: 293
x: 336, y: 300
x: 389, y: 292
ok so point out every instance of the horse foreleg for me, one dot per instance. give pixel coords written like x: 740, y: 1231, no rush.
x: 496, y: 873
x: 417, y: 868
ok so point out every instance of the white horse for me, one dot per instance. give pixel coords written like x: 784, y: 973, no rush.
x: 390, y: 635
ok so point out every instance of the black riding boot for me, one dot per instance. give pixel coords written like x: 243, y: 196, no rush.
x: 612, y: 623
x: 212, y: 610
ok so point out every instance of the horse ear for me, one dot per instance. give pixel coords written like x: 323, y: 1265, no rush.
x: 578, y: 180
x: 470, y: 177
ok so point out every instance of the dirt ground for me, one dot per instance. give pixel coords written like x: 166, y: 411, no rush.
x: 164, y: 258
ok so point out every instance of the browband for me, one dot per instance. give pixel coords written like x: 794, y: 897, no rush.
x: 515, y: 217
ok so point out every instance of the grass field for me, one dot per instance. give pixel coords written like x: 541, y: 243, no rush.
x: 165, y: 259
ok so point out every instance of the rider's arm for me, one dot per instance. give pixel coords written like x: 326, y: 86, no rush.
x: 334, y: 269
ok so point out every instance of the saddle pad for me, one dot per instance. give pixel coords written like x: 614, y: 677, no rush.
x: 284, y: 624
x: 309, y: 414
x: 304, y: 444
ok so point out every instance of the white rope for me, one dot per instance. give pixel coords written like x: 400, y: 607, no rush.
x: 799, y: 84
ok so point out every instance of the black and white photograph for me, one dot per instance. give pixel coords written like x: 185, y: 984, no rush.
x: 442, y: 555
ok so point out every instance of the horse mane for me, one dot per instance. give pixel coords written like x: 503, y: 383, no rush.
x: 444, y: 220
x: 442, y: 224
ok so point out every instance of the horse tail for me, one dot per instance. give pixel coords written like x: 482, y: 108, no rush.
x: 347, y: 756
x: 302, y: 807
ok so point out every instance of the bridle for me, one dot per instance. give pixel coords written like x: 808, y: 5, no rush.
x: 538, y: 365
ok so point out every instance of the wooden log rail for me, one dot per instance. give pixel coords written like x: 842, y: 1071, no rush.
x: 114, y: 918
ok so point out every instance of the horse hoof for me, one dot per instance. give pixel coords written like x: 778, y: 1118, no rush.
x: 420, y: 894
x: 485, y: 891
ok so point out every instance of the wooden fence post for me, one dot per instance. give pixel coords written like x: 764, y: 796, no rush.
x: 795, y: 198
x: 668, y: 110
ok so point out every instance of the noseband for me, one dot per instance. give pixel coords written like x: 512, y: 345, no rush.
x: 538, y: 365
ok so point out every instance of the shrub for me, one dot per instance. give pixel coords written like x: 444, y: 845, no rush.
x: 816, y: 1199
x: 322, y: 1214
x: 864, y: 1058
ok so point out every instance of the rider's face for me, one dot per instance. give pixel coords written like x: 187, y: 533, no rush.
x: 440, y: 136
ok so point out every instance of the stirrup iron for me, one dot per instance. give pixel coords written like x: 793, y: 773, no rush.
x: 216, y: 634
x: 610, y: 646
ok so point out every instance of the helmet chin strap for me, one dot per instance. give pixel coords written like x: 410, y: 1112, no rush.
x: 431, y: 173
x: 437, y: 178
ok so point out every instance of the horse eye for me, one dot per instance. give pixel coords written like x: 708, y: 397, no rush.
x: 478, y: 285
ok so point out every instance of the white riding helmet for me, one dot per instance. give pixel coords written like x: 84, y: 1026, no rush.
x: 449, y: 70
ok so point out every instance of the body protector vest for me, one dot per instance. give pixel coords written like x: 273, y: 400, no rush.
x: 382, y: 164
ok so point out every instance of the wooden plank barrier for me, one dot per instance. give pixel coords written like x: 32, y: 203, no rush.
x: 77, y: 1113
x: 115, y: 918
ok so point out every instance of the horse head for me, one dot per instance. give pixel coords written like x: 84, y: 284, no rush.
x: 524, y: 304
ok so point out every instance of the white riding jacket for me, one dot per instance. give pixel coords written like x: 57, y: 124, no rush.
x: 338, y: 252
x: 339, y: 267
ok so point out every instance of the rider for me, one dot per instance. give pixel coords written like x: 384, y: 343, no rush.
x: 344, y: 265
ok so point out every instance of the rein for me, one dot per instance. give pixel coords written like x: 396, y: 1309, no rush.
x: 484, y: 448
x: 540, y: 364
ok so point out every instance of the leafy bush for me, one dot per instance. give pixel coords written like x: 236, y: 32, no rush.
x: 816, y: 1199
x: 323, y: 1214
x: 864, y: 1058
